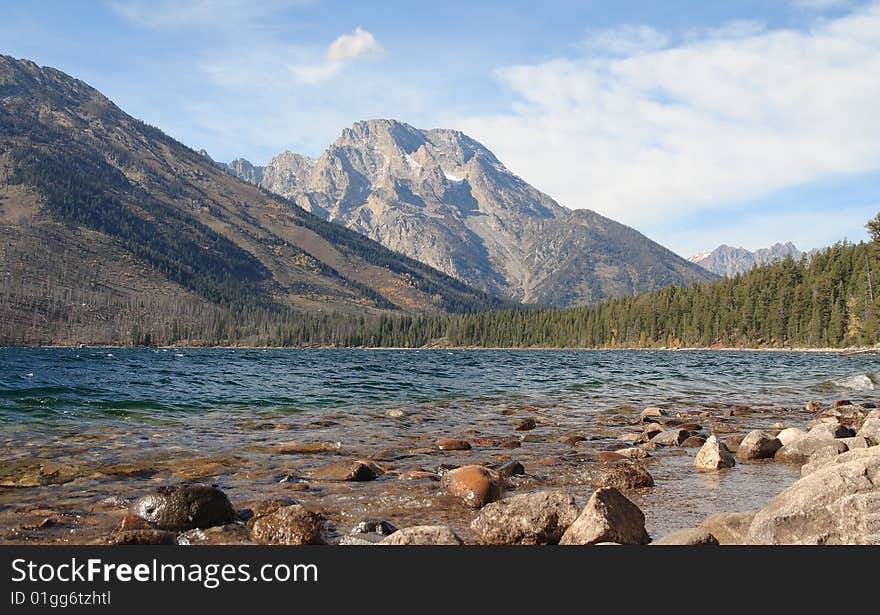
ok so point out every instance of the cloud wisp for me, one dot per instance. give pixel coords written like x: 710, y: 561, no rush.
x: 654, y: 129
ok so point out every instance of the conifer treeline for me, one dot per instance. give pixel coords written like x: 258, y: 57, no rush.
x: 829, y: 300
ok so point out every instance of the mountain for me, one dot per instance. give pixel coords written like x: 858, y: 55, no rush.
x: 727, y: 261
x: 444, y: 199
x: 110, y: 228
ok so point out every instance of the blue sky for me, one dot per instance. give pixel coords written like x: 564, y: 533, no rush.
x: 741, y: 122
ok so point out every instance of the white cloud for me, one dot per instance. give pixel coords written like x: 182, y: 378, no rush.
x: 271, y: 65
x: 705, y: 124
x: 358, y: 44
x: 624, y: 40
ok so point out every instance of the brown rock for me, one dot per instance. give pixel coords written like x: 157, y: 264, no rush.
x: 740, y: 411
x: 627, y: 475
x: 607, y: 517
x: 525, y: 424
x: 633, y: 453
x: 630, y: 437
x: 694, y: 442
x: 423, y: 535
x: 357, y: 470
x: 571, y: 440
x: 142, y: 537
x: 870, y: 428
x: 511, y: 468
x: 291, y: 448
x: 418, y: 475
x: 651, y: 431
x: 291, y: 525
x: 229, y: 534
x: 609, y: 456
x: 451, y: 444
x: 475, y: 485
x: 651, y: 412
x: 266, y: 507
x: 528, y: 519
x: 133, y: 522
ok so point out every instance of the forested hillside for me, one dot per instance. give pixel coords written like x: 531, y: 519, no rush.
x: 830, y: 301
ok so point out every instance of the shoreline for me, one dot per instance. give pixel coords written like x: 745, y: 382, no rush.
x: 852, y: 350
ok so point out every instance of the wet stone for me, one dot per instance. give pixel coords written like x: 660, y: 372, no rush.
x: 357, y: 471
x: 291, y: 525
x: 142, y: 537
x: 36, y: 472
x: 511, y: 468
x: 452, y: 444
x: 228, y: 534
x: 626, y: 475
x: 474, y: 485
x: 525, y: 424
x: 184, y: 506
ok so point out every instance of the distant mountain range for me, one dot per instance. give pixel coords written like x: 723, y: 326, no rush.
x: 109, y: 228
x: 728, y: 261
x: 444, y: 199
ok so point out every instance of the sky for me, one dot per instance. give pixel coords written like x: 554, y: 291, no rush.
x: 742, y: 122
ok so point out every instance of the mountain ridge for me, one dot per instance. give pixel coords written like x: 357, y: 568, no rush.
x: 445, y: 199
x: 127, y: 217
x: 729, y: 261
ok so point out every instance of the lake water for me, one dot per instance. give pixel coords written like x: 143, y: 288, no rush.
x: 120, y: 421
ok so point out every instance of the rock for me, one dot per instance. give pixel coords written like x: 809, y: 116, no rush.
x: 291, y: 525
x: 358, y: 470
x: 692, y: 427
x: 265, y: 507
x: 528, y: 519
x: 571, y: 440
x: 714, y: 456
x: 841, y: 402
x: 689, y: 536
x: 822, y: 461
x: 132, y: 522
x: 509, y: 443
x: 671, y: 437
x: 757, y: 445
x: 633, y: 453
x: 729, y: 528
x: 475, y: 485
x: 694, y: 442
x: 740, y: 411
x: 651, y: 431
x: 787, y: 436
x: 451, y: 444
x: 836, y: 504
x: 229, y: 534
x: 184, y: 507
x: 525, y: 424
x: 870, y: 428
x: 855, y: 442
x: 423, y: 535
x: 803, y: 448
x: 830, y: 431
x: 630, y: 437
x: 373, y: 526
x: 361, y: 540
x: 627, y: 475
x: 418, y: 475
x: 511, y: 468
x: 36, y: 472
x: 608, y: 456
x: 308, y: 447
x: 607, y: 517
x: 652, y: 411
x: 142, y: 537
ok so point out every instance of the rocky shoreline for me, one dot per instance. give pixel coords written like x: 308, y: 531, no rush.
x: 500, y: 500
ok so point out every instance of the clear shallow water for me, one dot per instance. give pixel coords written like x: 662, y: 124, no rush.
x: 219, y: 415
